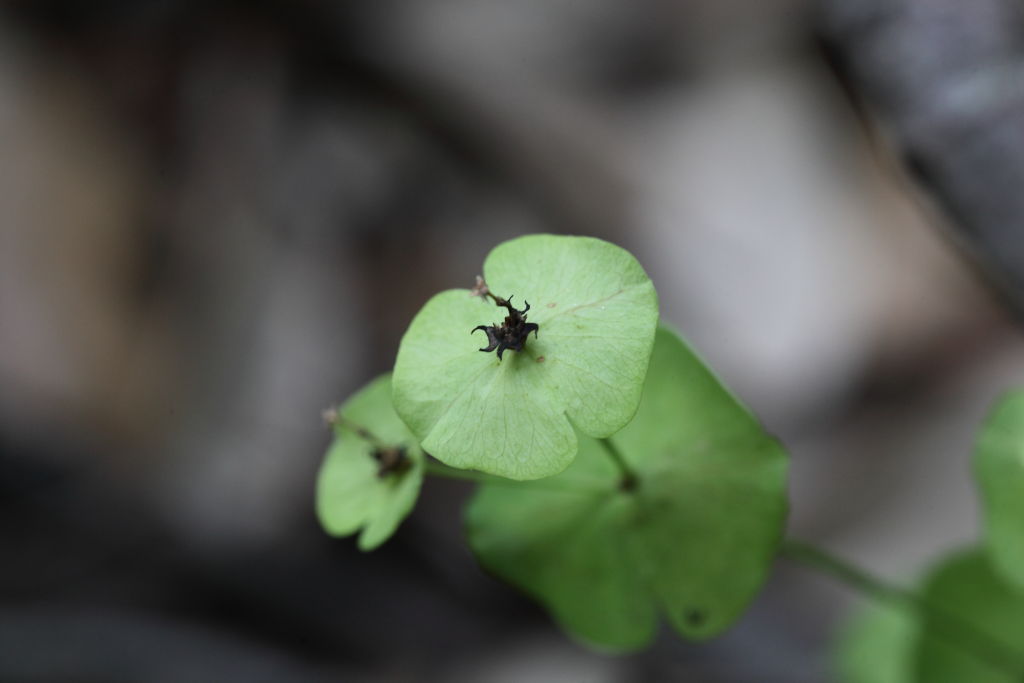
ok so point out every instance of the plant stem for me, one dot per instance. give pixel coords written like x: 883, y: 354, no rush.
x: 858, y: 579
x: 627, y: 476
x: 948, y: 626
x: 361, y: 431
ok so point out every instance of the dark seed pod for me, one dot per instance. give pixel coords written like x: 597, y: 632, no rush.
x: 512, y: 333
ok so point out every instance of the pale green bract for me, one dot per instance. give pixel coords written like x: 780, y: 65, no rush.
x: 693, y: 540
x: 350, y: 495
x: 597, y: 311
x: 999, y: 470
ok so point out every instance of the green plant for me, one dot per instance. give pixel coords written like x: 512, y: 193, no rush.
x: 620, y: 480
x: 514, y: 416
x: 966, y: 625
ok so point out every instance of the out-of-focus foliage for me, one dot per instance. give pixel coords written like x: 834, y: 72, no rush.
x: 965, y: 627
x: 999, y: 470
x: 876, y: 645
x: 372, y: 473
x: 971, y: 632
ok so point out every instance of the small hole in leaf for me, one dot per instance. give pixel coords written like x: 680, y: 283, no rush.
x: 695, y: 617
x: 540, y: 359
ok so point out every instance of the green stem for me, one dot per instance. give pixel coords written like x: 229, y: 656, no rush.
x: 858, y: 579
x: 360, y: 431
x: 948, y: 626
x: 627, y: 476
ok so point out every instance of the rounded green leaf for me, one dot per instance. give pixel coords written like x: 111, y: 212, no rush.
x: 694, y: 539
x: 564, y: 540
x: 352, y: 494
x: 714, y: 497
x: 999, y: 470
x: 596, y: 310
x: 974, y: 629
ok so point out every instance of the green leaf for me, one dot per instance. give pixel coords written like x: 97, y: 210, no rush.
x: 597, y: 311
x: 965, y: 628
x: 694, y: 539
x: 351, y: 494
x: 877, y: 646
x: 999, y: 470
x: 565, y: 541
x: 973, y: 631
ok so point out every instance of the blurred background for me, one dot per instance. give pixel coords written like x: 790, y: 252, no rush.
x: 217, y: 218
